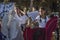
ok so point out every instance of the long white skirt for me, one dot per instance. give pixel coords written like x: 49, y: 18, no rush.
x: 19, y: 36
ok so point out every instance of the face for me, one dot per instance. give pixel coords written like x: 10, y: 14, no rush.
x: 41, y: 12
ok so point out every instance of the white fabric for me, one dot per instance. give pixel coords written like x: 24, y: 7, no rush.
x: 5, y: 22
x: 4, y: 28
x: 56, y: 14
x: 33, y: 15
x: 5, y: 8
x: 14, y: 26
x: 11, y: 24
x: 42, y: 23
x: 8, y: 6
x: 1, y: 7
x: 23, y: 18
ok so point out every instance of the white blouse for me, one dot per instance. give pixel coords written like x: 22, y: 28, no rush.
x: 23, y: 19
x: 42, y: 23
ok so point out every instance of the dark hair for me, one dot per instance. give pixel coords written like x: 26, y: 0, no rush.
x: 43, y: 8
x: 36, y: 7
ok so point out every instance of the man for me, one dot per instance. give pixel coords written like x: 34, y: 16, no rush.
x: 42, y: 19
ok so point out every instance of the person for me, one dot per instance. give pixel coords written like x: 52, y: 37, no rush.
x: 24, y: 19
x: 42, y: 19
x: 15, y: 26
x: 22, y: 15
x: 1, y: 10
x: 7, y: 8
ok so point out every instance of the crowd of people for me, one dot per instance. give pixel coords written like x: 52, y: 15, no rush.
x: 14, y: 21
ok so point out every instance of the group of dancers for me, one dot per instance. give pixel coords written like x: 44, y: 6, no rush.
x: 14, y: 21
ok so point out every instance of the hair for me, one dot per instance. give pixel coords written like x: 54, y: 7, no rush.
x: 36, y: 7
x: 43, y: 8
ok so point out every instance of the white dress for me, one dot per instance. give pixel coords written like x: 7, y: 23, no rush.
x: 4, y: 28
x: 6, y: 11
x: 15, y: 29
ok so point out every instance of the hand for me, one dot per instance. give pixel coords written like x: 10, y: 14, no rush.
x: 22, y: 12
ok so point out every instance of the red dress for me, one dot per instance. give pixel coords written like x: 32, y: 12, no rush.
x: 50, y: 27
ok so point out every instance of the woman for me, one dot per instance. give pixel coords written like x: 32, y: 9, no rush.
x: 14, y: 26
x: 42, y: 20
x: 23, y: 17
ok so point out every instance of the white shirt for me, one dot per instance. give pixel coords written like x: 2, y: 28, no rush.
x: 42, y: 23
x: 23, y: 18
